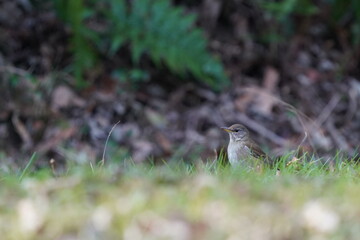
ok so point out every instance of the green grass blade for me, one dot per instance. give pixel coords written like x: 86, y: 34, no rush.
x: 26, y: 169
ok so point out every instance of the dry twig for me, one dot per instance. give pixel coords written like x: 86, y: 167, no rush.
x: 338, y: 138
x: 262, y: 130
x: 329, y: 108
x: 22, y: 131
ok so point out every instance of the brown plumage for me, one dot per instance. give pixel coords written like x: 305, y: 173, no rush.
x: 242, y: 149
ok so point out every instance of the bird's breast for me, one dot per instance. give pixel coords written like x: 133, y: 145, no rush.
x: 238, y: 153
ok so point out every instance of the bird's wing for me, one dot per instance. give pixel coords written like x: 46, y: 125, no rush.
x: 258, y: 152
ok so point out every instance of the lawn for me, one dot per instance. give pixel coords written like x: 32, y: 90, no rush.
x: 182, y: 201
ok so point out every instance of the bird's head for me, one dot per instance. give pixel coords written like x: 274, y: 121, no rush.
x: 237, y: 132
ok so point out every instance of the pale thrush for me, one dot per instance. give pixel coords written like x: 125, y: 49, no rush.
x: 242, y: 149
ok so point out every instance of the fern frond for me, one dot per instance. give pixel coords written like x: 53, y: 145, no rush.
x: 167, y: 35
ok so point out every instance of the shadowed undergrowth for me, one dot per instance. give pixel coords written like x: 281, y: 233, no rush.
x: 183, y: 201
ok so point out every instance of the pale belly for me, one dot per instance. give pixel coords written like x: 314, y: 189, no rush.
x: 238, y: 154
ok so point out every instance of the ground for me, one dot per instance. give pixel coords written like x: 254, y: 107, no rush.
x: 180, y: 201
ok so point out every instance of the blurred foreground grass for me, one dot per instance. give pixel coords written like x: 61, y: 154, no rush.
x: 180, y: 201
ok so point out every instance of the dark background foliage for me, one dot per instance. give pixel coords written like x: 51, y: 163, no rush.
x: 172, y: 73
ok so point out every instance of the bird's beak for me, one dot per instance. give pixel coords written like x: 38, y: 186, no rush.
x: 226, y: 129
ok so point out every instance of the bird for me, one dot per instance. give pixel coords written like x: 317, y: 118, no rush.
x: 242, y: 150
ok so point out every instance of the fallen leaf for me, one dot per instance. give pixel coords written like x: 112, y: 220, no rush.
x: 56, y: 139
x: 294, y: 160
x: 155, y: 118
x: 265, y: 101
x: 64, y: 97
x: 164, y: 142
x: 142, y: 150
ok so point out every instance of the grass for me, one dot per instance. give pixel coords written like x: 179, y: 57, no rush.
x: 309, y: 200
x: 27, y: 167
